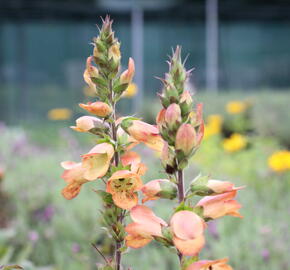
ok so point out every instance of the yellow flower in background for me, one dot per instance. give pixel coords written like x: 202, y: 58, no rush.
x: 213, y: 126
x: 59, y: 114
x: 236, y: 107
x: 279, y: 161
x: 89, y: 91
x: 235, y: 142
x: 131, y: 91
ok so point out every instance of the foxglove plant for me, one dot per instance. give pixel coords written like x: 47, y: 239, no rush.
x: 118, y: 170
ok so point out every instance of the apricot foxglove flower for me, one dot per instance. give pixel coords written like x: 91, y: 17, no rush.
x: 143, y: 132
x: 203, y: 187
x: 159, y: 188
x: 90, y: 71
x: 97, y: 161
x: 220, y: 264
x: 187, y: 228
x: 144, y: 227
x: 123, y: 185
x: 127, y: 76
x: 97, y: 108
x: 74, y: 176
x: 220, y: 205
x: 87, y: 123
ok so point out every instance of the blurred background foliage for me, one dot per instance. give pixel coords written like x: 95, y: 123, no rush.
x: 43, y: 47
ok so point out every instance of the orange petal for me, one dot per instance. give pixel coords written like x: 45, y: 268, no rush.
x: 136, y: 241
x: 129, y: 158
x: 143, y: 215
x: 215, y: 265
x: 125, y: 200
x: 71, y: 190
x: 189, y: 247
x: 187, y: 225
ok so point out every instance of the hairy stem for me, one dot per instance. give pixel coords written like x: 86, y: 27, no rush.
x: 181, y: 195
x: 118, y: 254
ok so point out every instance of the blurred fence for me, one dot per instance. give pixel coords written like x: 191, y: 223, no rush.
x: 41, y: 63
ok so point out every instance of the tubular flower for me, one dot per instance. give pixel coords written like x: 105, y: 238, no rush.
x: 87, y: 123
x: 128, y: 74
x: 145, y: 133
x: 123, y: 186
x: 74, y: 176
x: 220, y: 205
x: 144, y: 227
x: 212, y: 187
x: 187, y: 228
x: 159, y: 188
x: 90, y: 72
x: 219, y: 187
x: 97, y: 161
x: 220, y: 264
x: 134, y: 160
x: 97, y: 108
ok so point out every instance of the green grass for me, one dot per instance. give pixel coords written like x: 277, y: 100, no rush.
x: 33, y: 182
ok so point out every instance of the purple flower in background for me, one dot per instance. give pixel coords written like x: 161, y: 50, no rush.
x: 212, y: 229
x: 265, y: 254
x: 45, y: 214
x: 75, y: 248
x: 33, y: 236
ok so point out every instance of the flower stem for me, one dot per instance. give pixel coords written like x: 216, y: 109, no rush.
x: 118, y: 245
x: 180, y: 184
x: 181, y: 196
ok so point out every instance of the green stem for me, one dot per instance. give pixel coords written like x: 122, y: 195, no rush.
x: 181, y: 196
x: 118, y: 245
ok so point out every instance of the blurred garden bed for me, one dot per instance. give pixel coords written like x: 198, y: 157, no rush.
x: 43, y: 231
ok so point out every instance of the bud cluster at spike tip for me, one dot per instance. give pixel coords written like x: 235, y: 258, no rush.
x: 179, y: 123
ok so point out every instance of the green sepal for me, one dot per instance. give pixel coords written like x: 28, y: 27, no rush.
x: 168, y: 190
x: 120, y: 88
x: 182, y: 207
x: 186, y: 262
x: 163, y: 241
x: 198, y: 186
x: 105, y: 196
x: 167, y: 233
x: 198, y: 210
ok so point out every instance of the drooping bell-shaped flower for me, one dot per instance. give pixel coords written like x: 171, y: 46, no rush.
x: 97, y: 161
x: 188, y: 229
x: 144, y: 227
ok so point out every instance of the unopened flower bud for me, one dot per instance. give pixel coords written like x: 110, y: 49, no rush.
x: 168, y: 159
x: 127, y: 76
x: 173, y: 116
x: 114, y: 52
x: 160, y: 188
x: 97, y: 108
x: 185, y: 103
x: 89, y: 124
x: 160, y: 119
x: 185, y: 138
